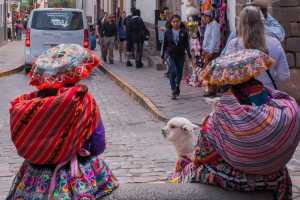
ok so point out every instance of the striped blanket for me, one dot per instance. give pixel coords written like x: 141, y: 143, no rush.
x: 255, y: 139
x: 51, y: 130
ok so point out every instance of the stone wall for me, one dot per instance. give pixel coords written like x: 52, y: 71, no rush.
x: 287, y: 12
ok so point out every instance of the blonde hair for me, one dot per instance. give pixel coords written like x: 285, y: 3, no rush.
x: 251, y: 29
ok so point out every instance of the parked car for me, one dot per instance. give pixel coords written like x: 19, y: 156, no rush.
x: 48, y: 27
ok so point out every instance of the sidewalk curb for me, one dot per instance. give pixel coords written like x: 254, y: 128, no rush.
x: 135, y: 94
x: 12, y: 71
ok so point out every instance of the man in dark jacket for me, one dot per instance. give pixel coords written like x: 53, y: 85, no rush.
x: 129, y: 45
x: 138, y: 33
x: 109, y: 35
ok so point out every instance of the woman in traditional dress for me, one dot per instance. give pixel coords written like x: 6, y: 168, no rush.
x: 59, y: 131
x: 248, y: 139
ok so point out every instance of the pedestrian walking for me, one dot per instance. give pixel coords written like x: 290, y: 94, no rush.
x: 19, y: 30
x: 211, y: 45
x: 252, y: 35
x: 100, y: 23
x: 92, y: 38
x: 9, y: 27
x: 109, y: 34
x: 175, y: 44
x: 59, y: 131
x: 138, y: 33
x: 129, y: 43
x: 272, y: 27
x: 122, y: 36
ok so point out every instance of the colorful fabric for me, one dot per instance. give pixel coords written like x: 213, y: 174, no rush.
x: 57, y: 125
x: 252, y: 93
x: 192, y: 78
x: 32, y: 182
x: 65, y: 63
x: 236, y: 68
x: 208, y: 167
x: 255, y: 139
x: 195, y: 47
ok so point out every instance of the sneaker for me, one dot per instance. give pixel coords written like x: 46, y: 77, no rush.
x: 209, y: 94
x: 174, y: 96
x: 139, y: 65
x: 167, y: 74
x: 128, y: 64
x: 177, y: 91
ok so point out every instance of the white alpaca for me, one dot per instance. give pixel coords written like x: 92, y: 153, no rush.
x: 179, y: 131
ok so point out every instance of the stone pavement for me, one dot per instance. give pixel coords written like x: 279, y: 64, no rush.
x: 136, y: 150
x: 12, y: 57
x: 154, y: 85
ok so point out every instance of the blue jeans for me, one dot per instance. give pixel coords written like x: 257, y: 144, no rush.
x: 175, y: 69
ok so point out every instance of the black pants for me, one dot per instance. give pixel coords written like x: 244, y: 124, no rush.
x: 138, y: 47
x: 9, y: 35
x: 175, y: 64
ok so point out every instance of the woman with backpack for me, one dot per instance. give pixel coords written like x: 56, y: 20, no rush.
x: 252, y: 35
x: 175, y: 44
x: 59, y: 132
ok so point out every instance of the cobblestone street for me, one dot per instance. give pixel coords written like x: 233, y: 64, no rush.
x: 136, y: 151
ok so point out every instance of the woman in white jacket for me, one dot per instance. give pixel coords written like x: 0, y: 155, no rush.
x: 252, y: 35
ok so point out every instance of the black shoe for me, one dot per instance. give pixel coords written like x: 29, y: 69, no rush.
x: 128, y: 64
x: 174, y: 96
x: 177, y: 91
x: 209, y: 94
x: 139, y: 65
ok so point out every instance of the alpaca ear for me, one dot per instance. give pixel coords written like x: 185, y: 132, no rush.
x: 190, y: 128
x: 195, y: 127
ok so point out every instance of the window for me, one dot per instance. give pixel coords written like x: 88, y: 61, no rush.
x: 57, y: 20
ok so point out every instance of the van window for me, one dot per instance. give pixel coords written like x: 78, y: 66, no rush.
x: 57, y: 20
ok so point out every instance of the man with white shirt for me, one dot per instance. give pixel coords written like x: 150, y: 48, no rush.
x: 9, y: 27
x: 211, y: 44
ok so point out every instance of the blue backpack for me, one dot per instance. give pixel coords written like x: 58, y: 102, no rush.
x: 121, y: 31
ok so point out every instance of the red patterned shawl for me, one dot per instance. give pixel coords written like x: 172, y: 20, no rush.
x: 50, y: 130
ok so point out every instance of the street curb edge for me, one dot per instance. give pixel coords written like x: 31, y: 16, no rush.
x: 11, y: 72
x: 137, y: 95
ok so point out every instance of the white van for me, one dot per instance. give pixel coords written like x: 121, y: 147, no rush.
x: 49, y: 27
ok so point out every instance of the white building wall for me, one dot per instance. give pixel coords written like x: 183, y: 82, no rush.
x: 127, y: 6
x: 79, y: 4
x: 231, y: 14
x: 147, y: 8
x: 89, y: 10
x: 106, y: 6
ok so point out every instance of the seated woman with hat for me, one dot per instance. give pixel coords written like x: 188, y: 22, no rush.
x: 253, y: 132
x: 59, y: 132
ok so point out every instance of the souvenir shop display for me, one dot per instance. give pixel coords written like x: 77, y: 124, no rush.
x: 197, y: 29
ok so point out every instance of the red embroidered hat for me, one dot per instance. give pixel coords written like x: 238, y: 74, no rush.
x: 63, y: 64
